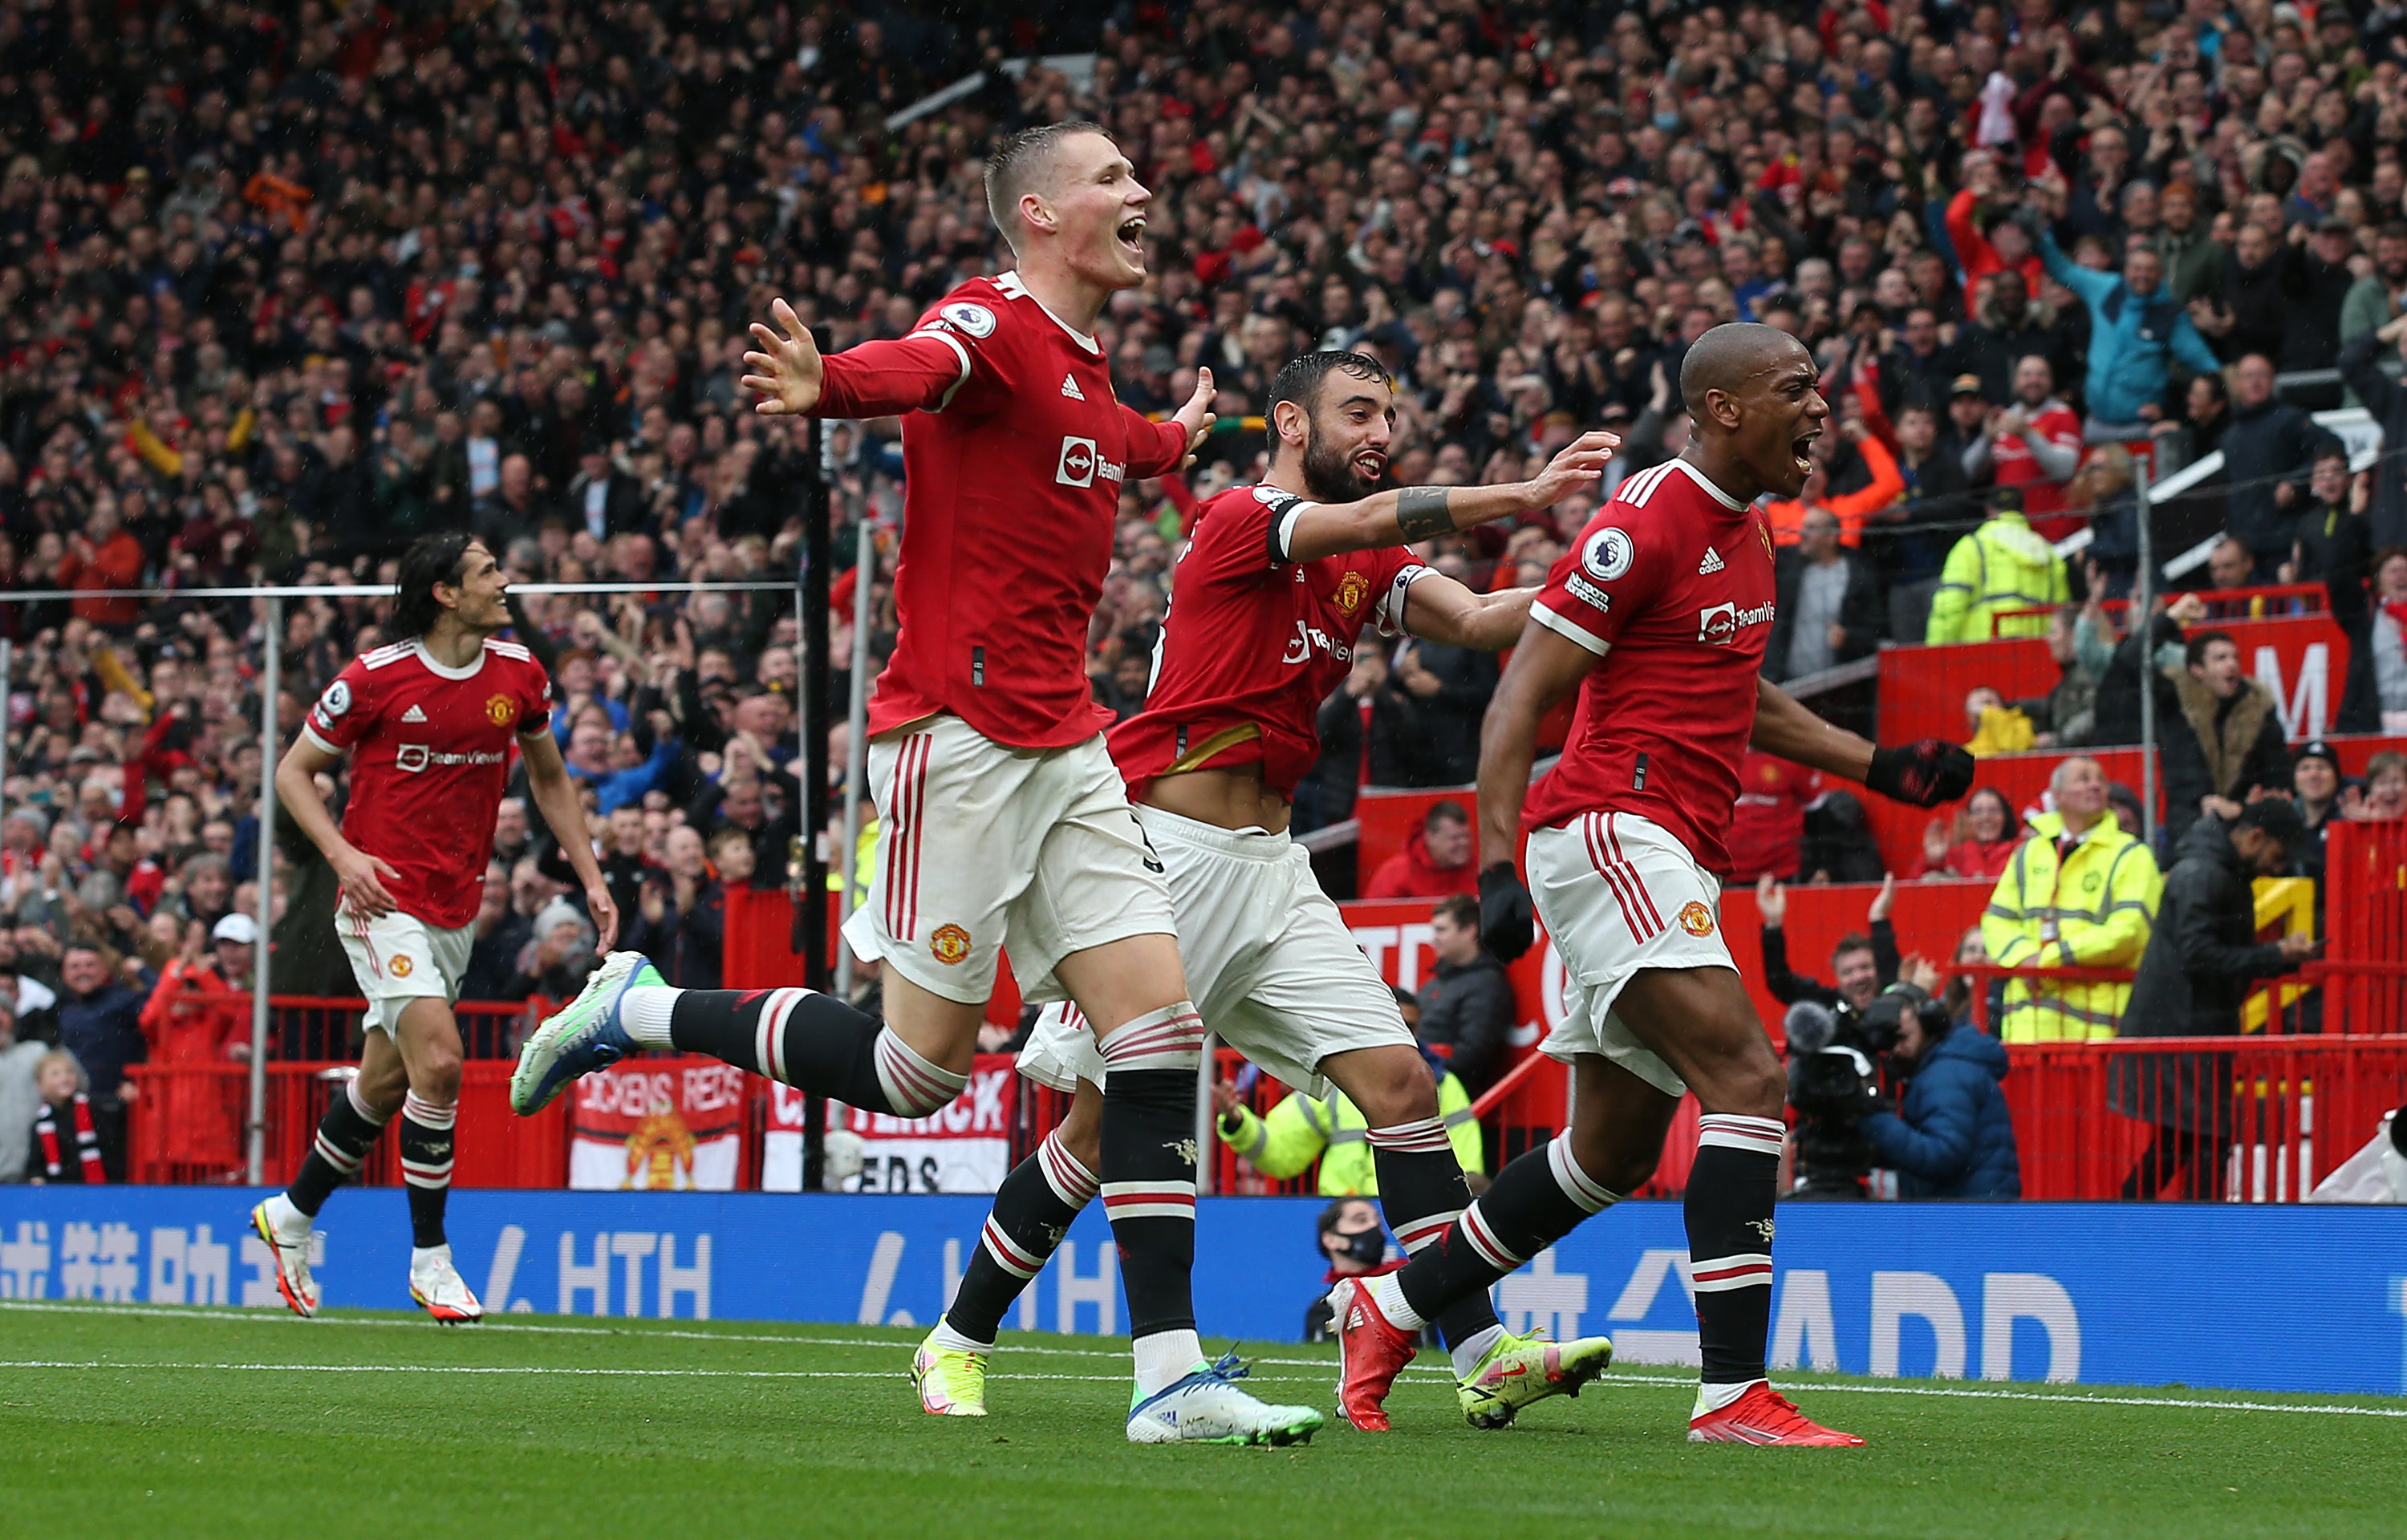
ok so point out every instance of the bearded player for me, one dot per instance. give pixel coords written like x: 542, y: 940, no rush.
x: 1274, y: 596
x: 1658, y: 619
x: 429, y: 721
x: 1001, y: 822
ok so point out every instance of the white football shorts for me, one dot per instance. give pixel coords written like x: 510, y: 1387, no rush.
x: 1619, y: 894
x: 1269, y: 962
x: 981, y: 847
x: 399, y: 957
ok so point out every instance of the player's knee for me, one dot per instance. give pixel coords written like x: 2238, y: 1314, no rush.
x: 1749, y: 1087
x: 436, y: 1076
x: 1393, y: 1087
x: 1612, y: 1159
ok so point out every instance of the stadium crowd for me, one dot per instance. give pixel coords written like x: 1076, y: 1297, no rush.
x: 284, y: 285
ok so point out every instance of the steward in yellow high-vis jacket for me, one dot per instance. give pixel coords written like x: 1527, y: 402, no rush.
x: 2079, y: 893
x: 1301, y: 1129
x: 2002, y: 567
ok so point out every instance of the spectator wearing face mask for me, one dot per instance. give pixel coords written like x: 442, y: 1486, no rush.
x: 1864, y: 962
x: 2228, y: 742
x: 1353, y: 1241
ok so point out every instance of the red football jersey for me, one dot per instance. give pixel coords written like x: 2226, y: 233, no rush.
x: 2017, y: 466
x: 1254, y: 642
x: 1670, y: 585
x: 1012, y: 482
x: 430, y: 751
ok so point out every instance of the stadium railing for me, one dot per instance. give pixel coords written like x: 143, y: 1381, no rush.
x: 2263, y: 602
x: 185, y: 1126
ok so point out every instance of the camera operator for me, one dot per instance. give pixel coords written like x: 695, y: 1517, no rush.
x: 1865, y: 964
x: 1834, y: 1084
x: 1951, y: 1136
x: 2201, y: 964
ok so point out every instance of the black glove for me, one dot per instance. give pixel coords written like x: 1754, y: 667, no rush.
x: 1509, y: 925
x: 1925, y: 773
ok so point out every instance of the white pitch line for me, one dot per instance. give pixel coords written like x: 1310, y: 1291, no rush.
x: 1657, y: 1382
x: 280, y: 1317
x: 503, y: 1369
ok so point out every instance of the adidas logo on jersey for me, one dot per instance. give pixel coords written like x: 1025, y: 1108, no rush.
x: 413, y: 714
x: 1070, y: 388
x: 1712, y: 563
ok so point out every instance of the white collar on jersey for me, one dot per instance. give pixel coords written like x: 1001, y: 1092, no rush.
x: 1011, y: 284
x: 1706, y: 482
x: 417, y: 644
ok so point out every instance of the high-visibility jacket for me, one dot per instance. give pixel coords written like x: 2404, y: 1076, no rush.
x: 1301, y: 1128
x: 2102, y: 899
x: 2003, y: 565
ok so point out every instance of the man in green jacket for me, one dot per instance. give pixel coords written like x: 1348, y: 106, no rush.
x: 1286, y: 1140
x: 2002, y: 567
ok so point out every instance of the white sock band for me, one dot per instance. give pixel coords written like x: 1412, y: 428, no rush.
x: 1069, y: 1178
x: 643, y: 1013
x: 1732, y: 1130
x: 1171, y: 1037
x: 1420, y: 1136
x: 362, y: 1109
x: 426, y: 1115
x: 1577, y: 1185
x: 914, y: 1087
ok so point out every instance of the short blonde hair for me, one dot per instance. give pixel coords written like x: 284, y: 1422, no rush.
x: 60, y: 1055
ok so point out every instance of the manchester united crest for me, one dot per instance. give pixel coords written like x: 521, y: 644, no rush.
x: 1350, y: 589
x: 498, y: 710
x: 1696, y: 918
x: 950, y: 945
x: 400, y: 966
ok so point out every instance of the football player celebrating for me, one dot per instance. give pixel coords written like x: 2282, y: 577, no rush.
x: 428, y: 720
x: 1658, y: 619
x: 1001, y: 822
x: 1274, y: 596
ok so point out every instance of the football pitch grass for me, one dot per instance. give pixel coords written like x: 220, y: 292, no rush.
x: 162, y: 1421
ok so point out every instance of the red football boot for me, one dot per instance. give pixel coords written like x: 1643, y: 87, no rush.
x: 1371, y: 1352
x: 1764, y: 1416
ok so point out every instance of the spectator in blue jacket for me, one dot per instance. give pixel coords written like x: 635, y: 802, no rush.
x: 100, y: 1022
x: 1950, y: 1136
x: 2135, y: 329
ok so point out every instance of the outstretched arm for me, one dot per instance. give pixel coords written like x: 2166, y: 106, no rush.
x: 1925, y: 773
x: 1418, y: 513
x: 1439, y: 608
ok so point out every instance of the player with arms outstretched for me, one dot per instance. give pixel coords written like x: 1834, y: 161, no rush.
x: 428, y: 720
x: 1658, y: 618
x: 1274, y: 596
x: 1000, y: 819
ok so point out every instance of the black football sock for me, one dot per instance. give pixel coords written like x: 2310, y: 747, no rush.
x: 1731, y: 1190
x: 1149, y: 1183
x: 1033, y: 1208
x: 1533, y: 1202
x: 426, y: 1166
x: 811, y: 1041
x: 1422, y: 1193
x: 2399, y: 1130
x: 345, y: 1135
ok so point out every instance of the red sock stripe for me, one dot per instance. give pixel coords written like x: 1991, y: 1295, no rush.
x: 1420, y: 1232
x: 1180, y: 1035
x: 921, y: 1085
x: 1484, y: 1241
x: 336, y: 1159
x: 1071, y: 1182
x: 1010, y: 1257
x: 1423, y: 1136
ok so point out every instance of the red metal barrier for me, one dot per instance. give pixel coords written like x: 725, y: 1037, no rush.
x: 2243, y: 1119
x: 496, y: 1149
x: 2268, y: 601
x: 309, y: 1027
x: 1922, y: 689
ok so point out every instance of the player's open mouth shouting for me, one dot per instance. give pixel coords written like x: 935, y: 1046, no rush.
x: 1131, y: 235
x: 1371, y: 464
x: 1802, y: 449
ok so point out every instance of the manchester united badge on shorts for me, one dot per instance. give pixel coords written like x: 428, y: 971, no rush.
x: 398, y: 967
x: 950, y: 945
x: 1696, y: 918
